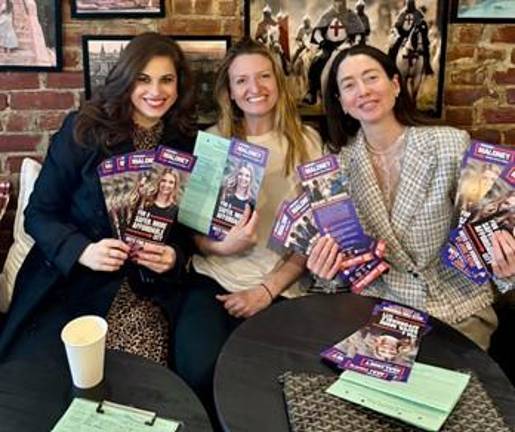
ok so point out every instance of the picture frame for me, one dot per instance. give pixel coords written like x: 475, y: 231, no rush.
x: 108, y: 9
x: 204, y: 53
x: 494, y: 11
x: 300, y: 27
x: 30, y: 35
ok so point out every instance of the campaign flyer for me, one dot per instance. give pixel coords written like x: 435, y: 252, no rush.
x: 481, y: 166
x: 226, y: 178
x: 294, y: 227
x: 160, y: 201
x: 106, y: 173
x: 386, y: 347
x: 242, y: 177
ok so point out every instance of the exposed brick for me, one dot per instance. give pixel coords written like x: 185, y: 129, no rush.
x: 458, y: 116
x: 51, y: 120
x: 72, y: 36
x: 182, y: 7
x: 505, y: 77
x: 499, y: 115
x: 469, y: 34
x: 510, y: 96
x: 19, y: 122
x: 490, y: 54
x: 460, y: 51
x: 72, y: 59
x: 513, y: 55
x: 504, y: 34
x: 488, y: 135
x: 65, y: 80
x: 233, y: 27
x: 18, y: 80
x: 14, y: 162
x: 191, y: 27
x: 472, y: 76
x: 17, y: 143
x: 227, y: 8
x: 464, y: 97
x: 3, y: 102
x: 509, y: 137
x: 42, y: 100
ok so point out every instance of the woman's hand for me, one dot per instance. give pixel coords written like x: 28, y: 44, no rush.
x: 324, y: 260
x: 241, y: 236
x: 246, y: 303
x: 106, y: 255
x: 503, y: 254
x: 158, y: 258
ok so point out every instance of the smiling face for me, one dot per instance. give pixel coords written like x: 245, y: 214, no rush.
x: 244, y: 178
x: 155, y: 91
x: 366, y: 92
x: 387, y: 347
x: 253, y: 86
x: 167, y: 185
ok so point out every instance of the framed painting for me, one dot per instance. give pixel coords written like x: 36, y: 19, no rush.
x: 483, y: 11
x: 30, y: 35
x: 306, y: 35
x: 204, y: 54
x: 99, y: 9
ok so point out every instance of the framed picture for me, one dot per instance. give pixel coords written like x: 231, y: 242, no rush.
x: 30, y: 35
x: 98, y: 9
x: 204, y: 54
x: 491, y: 11
x: 306, y: 35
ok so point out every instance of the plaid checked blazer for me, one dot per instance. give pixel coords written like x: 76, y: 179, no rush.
x: 421, y: 218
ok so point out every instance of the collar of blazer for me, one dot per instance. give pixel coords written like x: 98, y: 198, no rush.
x: 416, y: 174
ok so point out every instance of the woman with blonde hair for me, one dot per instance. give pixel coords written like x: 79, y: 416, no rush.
x: 239, y: 276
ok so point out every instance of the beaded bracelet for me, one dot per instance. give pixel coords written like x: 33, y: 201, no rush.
x: 268, y: 291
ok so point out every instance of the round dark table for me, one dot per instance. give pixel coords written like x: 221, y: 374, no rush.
x: 290, y: 336
x: 34, y: 395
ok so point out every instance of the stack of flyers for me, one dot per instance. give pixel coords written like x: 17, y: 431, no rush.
x: 158, y: 205
x: 142, y: 192
x: 386, y: 347
x: 481, y: 166
x: 294, y: 228
x: 334, y: 214
x: 486, y: 203
x: 226, y: 179
x: 469, y: 249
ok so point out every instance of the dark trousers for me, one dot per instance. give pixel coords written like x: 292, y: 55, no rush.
x: 202, y: 327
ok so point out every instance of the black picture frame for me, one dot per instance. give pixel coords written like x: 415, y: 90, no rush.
x: 96, y: 11
x: 430, y: 97
x: 35, y: 46
x: 495, y: 12
x: 204, y: 53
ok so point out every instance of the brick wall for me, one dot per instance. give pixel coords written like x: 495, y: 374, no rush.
x: 479, y: 89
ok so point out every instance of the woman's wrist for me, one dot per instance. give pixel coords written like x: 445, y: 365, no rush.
x: 268, y: 291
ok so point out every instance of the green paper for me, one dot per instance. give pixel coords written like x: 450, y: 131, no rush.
x: 425, y: 401
x: 201, y: 194
x: 82, y: 416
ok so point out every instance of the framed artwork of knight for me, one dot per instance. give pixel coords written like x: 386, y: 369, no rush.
x: 307, y: 34
x: 30, y: 35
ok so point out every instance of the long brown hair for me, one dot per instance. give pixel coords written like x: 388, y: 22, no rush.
x: 287, y: 120
x: 342, y: 126
x: 107, y: 117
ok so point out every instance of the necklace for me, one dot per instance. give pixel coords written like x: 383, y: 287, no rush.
x: 392, y: 148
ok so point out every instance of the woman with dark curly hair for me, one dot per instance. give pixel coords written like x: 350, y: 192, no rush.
x: 76, y: 266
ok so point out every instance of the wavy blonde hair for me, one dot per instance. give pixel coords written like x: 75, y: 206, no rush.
x: 287, y: 120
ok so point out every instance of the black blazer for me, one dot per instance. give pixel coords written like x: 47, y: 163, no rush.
x: 66, y: 212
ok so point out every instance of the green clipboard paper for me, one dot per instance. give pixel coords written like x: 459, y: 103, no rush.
x: 88, y: 416
x: 200, y: 197
x: 425, y: 401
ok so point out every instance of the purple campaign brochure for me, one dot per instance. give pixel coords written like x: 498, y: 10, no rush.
x: 243, y: 174
x: 294, y: 229
x: 159, y: 200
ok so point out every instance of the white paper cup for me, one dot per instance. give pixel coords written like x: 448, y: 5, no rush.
x: 84, y: 340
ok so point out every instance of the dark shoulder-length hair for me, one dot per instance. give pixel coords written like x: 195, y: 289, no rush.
x: 107, y: 118
x: 342, y: 126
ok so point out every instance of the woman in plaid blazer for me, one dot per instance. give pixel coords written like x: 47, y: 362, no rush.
x: 403, y: 179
